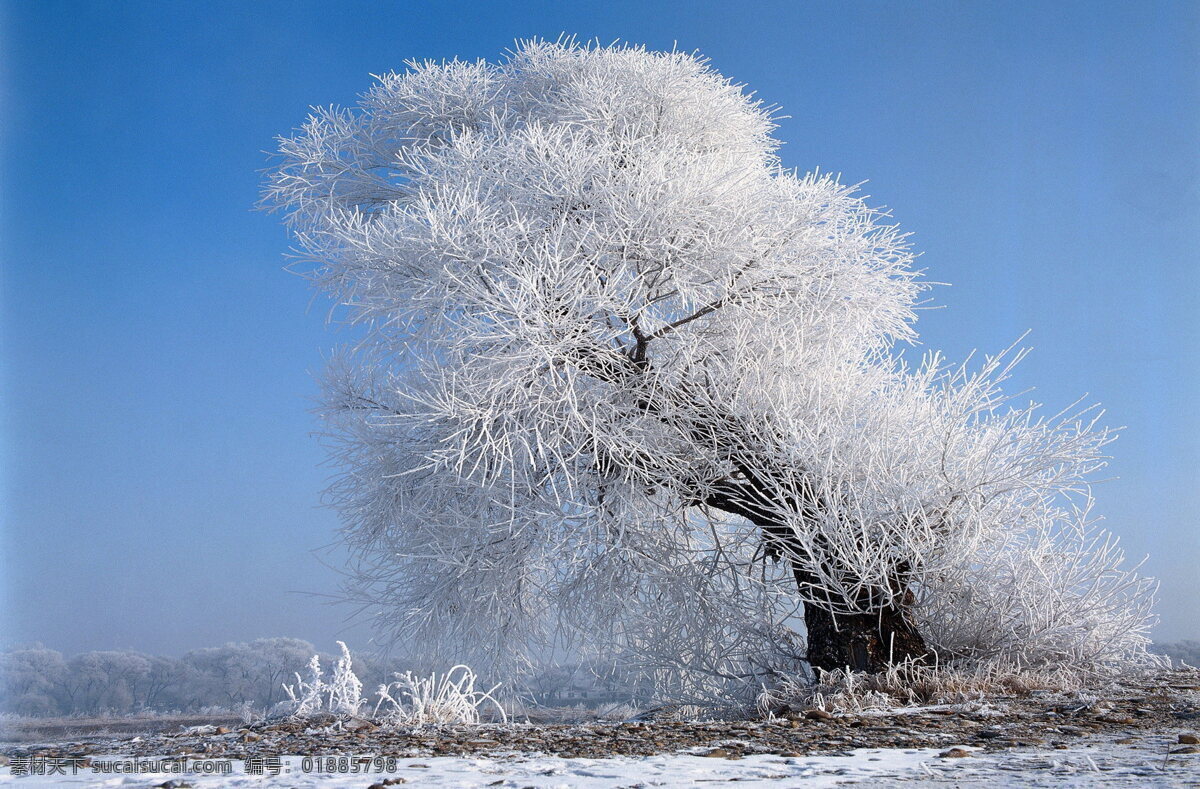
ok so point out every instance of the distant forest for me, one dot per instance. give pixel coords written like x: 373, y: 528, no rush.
x: 248, y: 677
x: 237, y: 677
x: 1186, y: 651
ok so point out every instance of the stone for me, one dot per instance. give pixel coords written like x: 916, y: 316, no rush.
x: 818, y: 715
x: 954, y: 753
x: 321, y: 719
x: 1189, y: 739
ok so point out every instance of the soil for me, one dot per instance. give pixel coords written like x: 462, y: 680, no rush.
x: 1165, y: 710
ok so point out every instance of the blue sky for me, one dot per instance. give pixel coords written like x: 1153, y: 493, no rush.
x: 161, y: 485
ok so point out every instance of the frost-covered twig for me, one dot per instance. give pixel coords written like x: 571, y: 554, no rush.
x: 341, y: 695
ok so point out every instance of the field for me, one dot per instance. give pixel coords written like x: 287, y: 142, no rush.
x: 1134, y: 734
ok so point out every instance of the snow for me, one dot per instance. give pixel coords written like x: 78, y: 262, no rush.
x: 550, y: 771
x: 1081, y: 765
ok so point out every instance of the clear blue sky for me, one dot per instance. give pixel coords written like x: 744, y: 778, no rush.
x: 160, y: 482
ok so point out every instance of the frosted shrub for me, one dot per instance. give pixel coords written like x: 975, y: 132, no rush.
x: 341, y: 695
x: 308, y: 696
x: 411, y: 700
x: 447, y: 698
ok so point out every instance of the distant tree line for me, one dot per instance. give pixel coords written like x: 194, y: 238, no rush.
x: 1186, y: 651
x: 40, y: 682
x: 36, y: 681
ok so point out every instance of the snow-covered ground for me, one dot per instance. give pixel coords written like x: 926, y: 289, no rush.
x: 1083, y: 765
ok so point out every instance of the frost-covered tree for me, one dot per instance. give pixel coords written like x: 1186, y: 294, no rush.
x: 104, y: 681
x: 1180, y: 652
x: 626, y: 384
x: 244, y: 673
x: 29, y: 680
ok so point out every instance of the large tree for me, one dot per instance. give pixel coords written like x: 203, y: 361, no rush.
x: 625, y: 382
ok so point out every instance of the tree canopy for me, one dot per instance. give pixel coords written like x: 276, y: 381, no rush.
x: 626, y: 385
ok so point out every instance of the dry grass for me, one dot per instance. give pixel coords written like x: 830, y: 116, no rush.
x: 446, y: 698
x: 913, y: 685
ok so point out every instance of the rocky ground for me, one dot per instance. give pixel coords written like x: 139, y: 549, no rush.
x: 1153, y: 724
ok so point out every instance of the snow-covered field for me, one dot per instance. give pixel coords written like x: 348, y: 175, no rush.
x: 1086, y: 764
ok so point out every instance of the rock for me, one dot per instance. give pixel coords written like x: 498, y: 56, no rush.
x: 358, y: 724
x: 954, y: 753
x: 1189, y: 739
x: 221, y: 730
x: 717, y: 753
x: 251, y: 737
x: 174, y: 784
x: 818, y: 715
x: 321, y: 719
x: 1186, y: 749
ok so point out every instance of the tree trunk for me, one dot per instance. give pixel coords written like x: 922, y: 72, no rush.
x: 862, y: 642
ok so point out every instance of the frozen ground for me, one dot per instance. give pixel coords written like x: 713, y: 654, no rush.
x: 1084, y: 764
x: 1138, y: 734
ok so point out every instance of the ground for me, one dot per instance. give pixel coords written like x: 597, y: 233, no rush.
x: 1135, y: 734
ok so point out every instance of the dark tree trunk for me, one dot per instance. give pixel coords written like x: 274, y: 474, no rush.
x: 863, y: 642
